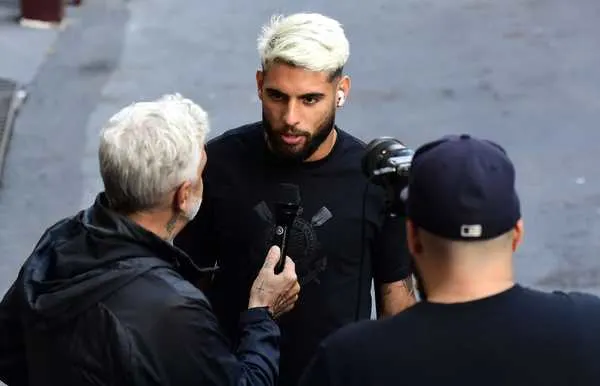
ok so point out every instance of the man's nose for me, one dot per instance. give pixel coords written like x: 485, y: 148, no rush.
x: 292, y: 114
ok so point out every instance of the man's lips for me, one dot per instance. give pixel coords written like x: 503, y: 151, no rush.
x: 291, y: 139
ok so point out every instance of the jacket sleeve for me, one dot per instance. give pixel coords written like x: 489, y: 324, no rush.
x: 194, y: 351
x: 13, y: 364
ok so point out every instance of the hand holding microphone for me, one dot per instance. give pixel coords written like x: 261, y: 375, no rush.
x: 276, y: 285
x: 277, y: 292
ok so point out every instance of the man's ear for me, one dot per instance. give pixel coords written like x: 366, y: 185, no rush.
x: 412, y: 239
x: 518, y: 232
x: 344, y: 86
x: 260, y: 78
x: 183, y: 195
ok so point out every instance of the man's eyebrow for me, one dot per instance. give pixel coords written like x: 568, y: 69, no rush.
x: 307, y: 95
x: 312, y: 95
x: 274, y: 90
x: 274, y: 93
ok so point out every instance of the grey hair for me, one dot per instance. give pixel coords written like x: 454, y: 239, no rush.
x: 308, y: 40
x: 149, y: 148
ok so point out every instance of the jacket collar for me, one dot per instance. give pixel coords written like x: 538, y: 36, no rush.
x: 99, y: 215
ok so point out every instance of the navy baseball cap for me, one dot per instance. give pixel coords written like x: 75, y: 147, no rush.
x: 462, y: 188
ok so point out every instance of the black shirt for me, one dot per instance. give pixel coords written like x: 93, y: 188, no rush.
x: 518, y: 337
x: 235, y: 225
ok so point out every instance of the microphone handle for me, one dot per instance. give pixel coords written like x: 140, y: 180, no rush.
x: 282, y: 235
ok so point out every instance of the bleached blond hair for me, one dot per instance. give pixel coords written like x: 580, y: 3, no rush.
x: 149, y: 148
x: 308, y: 40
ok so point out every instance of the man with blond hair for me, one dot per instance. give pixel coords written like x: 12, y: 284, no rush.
x: 103, y: 299
x: 341, y: 240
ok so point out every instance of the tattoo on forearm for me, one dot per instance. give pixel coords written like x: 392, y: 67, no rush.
x: 408, y: 285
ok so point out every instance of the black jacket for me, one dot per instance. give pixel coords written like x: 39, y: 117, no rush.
x: 101, y: 301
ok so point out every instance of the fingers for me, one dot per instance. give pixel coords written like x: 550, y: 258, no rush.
x: 278, y: 291
x: 272, y: 257
x: 289, y: 271
x: 285, y: 307
x: 291, y: 292
x: 288, y: 298
x: 293, y: 289
x: 289, y: 267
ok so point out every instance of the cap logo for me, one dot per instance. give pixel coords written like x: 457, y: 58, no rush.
x: 471, y: 231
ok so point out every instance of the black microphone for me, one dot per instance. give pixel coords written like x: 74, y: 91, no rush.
x: 287, y: 207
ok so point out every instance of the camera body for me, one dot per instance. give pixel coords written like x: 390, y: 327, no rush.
x: 387, y: 163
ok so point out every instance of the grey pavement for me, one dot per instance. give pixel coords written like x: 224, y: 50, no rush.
x: 22, y: 49
x: 522, y: 72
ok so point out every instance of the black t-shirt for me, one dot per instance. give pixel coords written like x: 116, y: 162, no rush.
x: 518, y: 337
x: 235, y: 225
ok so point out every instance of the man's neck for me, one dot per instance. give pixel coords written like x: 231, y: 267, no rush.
x: 468, y: 279
x: 325, y: 148
x: 164, y: 225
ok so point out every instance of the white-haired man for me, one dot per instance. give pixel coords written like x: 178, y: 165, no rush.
x: 103, y: 299
x: 301, y: 83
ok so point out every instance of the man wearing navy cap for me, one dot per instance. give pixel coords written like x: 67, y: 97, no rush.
x: 476, y: 326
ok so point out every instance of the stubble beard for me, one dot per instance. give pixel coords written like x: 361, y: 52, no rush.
x: 311, y: 144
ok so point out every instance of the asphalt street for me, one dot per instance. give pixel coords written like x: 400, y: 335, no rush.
x: 522, y: 72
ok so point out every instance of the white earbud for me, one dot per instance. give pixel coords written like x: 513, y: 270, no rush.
x: 341, y: 98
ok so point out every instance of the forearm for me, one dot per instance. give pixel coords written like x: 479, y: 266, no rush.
x: 197, y: 352
x: 258, y: 349
x: 393, y: 298
x: 392, y: 269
